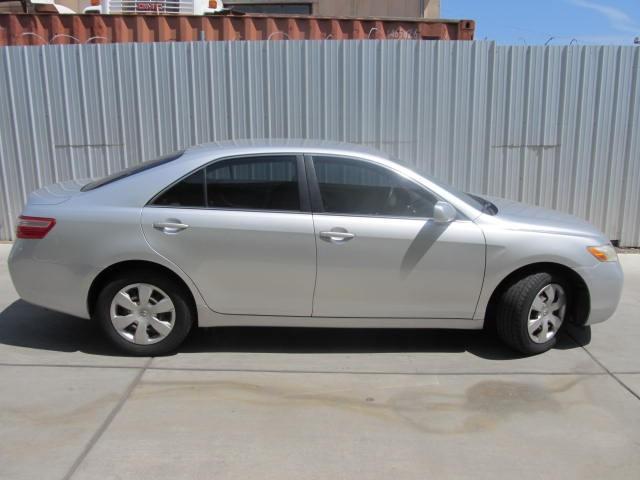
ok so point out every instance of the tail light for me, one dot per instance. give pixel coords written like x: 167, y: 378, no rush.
x: 95, y: 3
x: 34, y: 227
x: 213, y: 4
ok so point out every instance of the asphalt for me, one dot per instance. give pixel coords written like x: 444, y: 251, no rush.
x: 273, y: 403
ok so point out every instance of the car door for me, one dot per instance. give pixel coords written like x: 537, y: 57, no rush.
x: 380, y: 254
x: 242, y: 230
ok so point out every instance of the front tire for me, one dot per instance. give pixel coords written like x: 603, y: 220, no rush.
x: 531, y: 312
x: 144, y: 313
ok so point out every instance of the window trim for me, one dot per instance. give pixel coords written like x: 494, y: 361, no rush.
x: 303, y: 190
x: 316, y: 197
x: 132, y: 171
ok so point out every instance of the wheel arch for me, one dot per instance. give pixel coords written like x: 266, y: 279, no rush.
x: 114, y: 270
x: 580, y: 299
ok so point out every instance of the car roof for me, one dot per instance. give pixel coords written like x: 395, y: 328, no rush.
x: 240, y: 147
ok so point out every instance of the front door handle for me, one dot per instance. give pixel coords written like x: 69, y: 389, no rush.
x: 336, y: 236
x: 170, y: 226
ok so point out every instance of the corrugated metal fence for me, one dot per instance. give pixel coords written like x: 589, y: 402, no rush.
x: 553, y: 126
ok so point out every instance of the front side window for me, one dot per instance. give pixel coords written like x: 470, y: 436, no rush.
x: 248, y: 183
x: 352, y: 187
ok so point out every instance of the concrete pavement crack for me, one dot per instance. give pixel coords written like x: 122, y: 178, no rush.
x: 601, y: 365
x: 333, y: 372
x: 70, y: 365
x: 107, y: 421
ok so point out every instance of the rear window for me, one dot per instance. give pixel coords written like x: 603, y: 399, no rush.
x: 127, y: 172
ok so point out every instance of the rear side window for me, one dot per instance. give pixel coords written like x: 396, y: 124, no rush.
x: 259, y: 183
x: 127, y: 172
x: 188, y: 192
x: 248, y: 183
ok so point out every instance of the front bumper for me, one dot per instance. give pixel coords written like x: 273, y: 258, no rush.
x: 604, y: 281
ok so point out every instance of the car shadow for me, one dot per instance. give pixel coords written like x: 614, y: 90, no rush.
x: 25, y: 325
x: 29, y: 326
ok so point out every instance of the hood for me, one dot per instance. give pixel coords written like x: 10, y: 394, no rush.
x: 520, y: 216
x: 57, y: 192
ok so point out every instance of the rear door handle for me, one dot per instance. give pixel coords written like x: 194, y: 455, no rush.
x: 336, y: 236
x: 170, y: 227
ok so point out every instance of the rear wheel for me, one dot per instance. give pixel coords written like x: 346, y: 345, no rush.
x: 531, y: 312
x: 144, y: 313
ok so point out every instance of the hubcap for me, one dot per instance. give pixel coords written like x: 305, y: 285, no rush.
x: 142, y: 314
x: 547, y: 313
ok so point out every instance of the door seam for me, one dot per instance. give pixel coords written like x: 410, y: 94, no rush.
x: 315, y: 280
x: 484, y: 275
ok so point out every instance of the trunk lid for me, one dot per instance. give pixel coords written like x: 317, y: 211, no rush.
x: 57, y: 193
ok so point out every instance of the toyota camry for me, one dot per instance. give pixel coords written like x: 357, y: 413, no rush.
x: 305, y: 234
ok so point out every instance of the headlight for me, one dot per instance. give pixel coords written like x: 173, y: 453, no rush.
x: 604, y: 253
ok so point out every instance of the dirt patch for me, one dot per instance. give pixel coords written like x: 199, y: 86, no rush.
x: 632, y: 250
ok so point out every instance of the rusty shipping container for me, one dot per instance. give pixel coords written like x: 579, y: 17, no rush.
x: 43, y: 29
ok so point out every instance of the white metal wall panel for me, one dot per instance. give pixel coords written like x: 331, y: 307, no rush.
x: 553, y: 126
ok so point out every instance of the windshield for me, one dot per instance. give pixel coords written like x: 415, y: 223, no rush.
x: 477, y: 202
x: 487, y: 206
x: 127, y: 172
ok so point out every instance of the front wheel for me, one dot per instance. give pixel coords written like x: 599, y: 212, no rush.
x: 531, y: 312
x: 144, y: 313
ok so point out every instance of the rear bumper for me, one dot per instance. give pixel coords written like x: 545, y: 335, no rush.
x: 47, y: 283
x: 604, y: 281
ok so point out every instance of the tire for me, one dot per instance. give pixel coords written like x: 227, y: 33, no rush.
x: 176, y: 322
x: 516, y: 312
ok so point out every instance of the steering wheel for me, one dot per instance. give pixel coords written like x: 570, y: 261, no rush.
x: 411, y: 205
x: 387, y: 201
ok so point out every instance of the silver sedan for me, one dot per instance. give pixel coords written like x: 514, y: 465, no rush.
x: 304, y: 233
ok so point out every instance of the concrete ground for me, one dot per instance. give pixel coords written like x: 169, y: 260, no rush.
x: 317, y: 404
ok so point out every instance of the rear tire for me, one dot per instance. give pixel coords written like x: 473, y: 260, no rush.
x: 144, y: 313
x: 531, y: 311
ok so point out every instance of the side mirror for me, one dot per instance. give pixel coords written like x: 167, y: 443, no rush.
x: 443, y: 212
